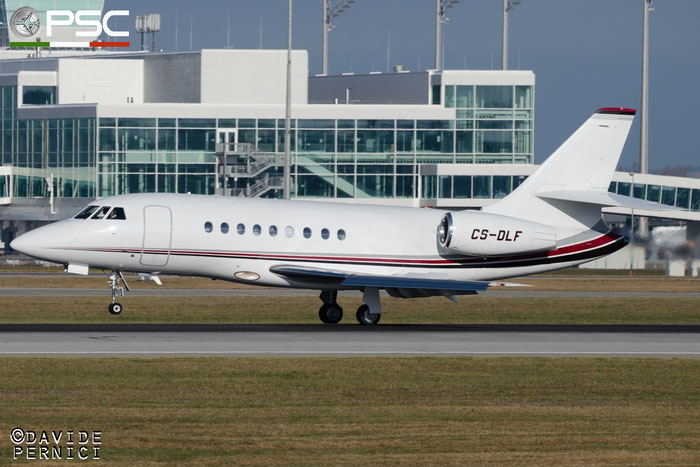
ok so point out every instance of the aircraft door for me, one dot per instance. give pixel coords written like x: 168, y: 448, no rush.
x: 157, y: 235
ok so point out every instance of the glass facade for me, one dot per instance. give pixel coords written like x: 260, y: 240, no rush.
x: 39, y: 95
x: 469, y: 186
x: 341, y: 158
x: 36, y: 149
x: 164, y: 155
x: 682, y: 198
x: 499, y: 186
x: 494, y: 124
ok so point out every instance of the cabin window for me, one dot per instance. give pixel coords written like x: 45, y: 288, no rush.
x: 289, y: 231
x: 273, y: 231
x: 208, y: 227
x: 224, y: 228
x: 341, y: 234
x: 307, y: 232
x: 117, y: 214
x: 257, y: 229
x: 240, y: 229
x: 102, y: 212
x: 325, y: 234
x: 87, y: 212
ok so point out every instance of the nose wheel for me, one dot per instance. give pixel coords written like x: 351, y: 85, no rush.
x: 117, y: 291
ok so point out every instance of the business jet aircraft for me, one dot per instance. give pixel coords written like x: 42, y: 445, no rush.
x: 551, y: 221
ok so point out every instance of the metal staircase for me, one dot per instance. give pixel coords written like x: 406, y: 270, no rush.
x: 249, y: 167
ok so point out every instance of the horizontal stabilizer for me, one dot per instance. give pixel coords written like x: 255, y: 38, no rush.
x: 604, y: 198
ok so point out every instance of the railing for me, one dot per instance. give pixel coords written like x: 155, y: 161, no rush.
x: 260, y: 187
x: 234, y: 148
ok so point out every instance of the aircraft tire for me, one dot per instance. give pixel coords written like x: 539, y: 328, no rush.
x: 115, y: 308
x: 330, y: 313
x: 366, y: 318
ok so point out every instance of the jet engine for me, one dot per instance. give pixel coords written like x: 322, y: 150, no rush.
x: 483, y: 234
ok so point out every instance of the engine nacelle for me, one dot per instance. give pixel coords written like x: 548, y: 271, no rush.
x: 483, y: 234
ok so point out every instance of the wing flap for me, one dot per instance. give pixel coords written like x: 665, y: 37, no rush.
x: 413, y: 282
x: 407, y: 286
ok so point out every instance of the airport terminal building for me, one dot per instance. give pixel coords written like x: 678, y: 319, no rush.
x: 85, y: 125
x: 99, y: 125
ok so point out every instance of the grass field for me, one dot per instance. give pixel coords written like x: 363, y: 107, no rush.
x: 489, y: 310
x: 496, y: 308
x: 545, y: 283
x: 320, y: 411
x: 356, y: 411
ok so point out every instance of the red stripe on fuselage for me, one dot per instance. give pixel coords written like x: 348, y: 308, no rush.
x: 598, y: 242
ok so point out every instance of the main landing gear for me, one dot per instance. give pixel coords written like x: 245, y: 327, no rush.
x: 332, y: 313
x: 117, y: 291
x: 365, y: 317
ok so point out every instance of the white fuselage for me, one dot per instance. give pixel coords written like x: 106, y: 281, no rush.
x: 182, y: 234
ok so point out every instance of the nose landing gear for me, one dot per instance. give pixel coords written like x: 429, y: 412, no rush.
x: 115, y: 308
x: 117, y: 291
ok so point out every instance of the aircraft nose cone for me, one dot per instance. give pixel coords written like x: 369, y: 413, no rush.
x: 28, y: 243
x: 20, y: 244
x: 47, y: 243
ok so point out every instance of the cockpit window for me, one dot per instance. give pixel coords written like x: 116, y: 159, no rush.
x: 117, y: 214
x: 85, y: 213
x: 101, y: 213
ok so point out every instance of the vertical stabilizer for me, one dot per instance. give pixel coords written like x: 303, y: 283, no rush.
x: 585, y: 162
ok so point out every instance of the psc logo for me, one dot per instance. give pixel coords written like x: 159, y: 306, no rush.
x: 26, y: 22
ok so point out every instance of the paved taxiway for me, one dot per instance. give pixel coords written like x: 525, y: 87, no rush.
x: 159, y: 340
x: 272, y: 292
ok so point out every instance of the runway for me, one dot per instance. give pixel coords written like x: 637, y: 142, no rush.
x: 182, y: 340
x: 273, y: 292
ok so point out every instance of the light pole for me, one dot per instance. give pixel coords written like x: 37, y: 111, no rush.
x: 288, y: 111
x: 328, y: 14
x: 644, y: 124
x: 644, y: 142
x: 441, y: 7
x: 632, y: 227
x: 507, y: 6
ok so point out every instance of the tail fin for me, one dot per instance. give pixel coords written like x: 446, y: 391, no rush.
x: 584, y: 163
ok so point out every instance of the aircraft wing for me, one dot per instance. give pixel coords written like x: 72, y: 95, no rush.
x: 404, y: 286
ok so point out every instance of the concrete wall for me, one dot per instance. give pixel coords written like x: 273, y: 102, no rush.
x: 252, y: 76
x: 110, y: 81
x: 172, y: 78
x: 390, y: 88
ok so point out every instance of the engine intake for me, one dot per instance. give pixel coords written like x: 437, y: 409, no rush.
x: 483, y: 234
